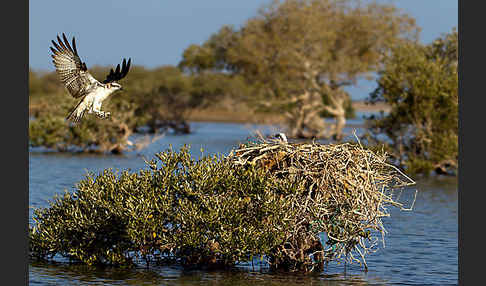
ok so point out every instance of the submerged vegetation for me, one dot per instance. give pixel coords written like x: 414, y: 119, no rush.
x: 266, y: 200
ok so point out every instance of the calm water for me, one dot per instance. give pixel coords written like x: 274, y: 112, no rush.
x: 421, y: 246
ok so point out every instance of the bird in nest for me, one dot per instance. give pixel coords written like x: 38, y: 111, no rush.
x: 281, y: 137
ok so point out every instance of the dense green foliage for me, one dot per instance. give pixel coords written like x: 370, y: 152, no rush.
x: 221, y: 210
x: 420, y: 83
x: 49, y: 129
x: 195, y: 212
x: 299, y: 54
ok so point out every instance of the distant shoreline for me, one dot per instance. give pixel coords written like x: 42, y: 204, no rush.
x: 377, y: 107
x: 244, y: 115
x: 231, y: 113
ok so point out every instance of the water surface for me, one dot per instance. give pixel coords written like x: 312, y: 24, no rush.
x: 420, y: 247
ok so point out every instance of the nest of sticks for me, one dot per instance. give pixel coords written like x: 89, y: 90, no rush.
x: 344, y: 192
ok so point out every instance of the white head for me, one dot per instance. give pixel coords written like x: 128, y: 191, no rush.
x: 281, y: 136
x: 114, y: 86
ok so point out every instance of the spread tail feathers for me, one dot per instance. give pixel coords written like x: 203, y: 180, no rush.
x: 76, y: 114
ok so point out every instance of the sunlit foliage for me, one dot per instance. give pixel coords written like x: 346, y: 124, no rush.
x: 299, y: 54
x: 194, y: 212
x: 420, y: 83
x: 221, y: 210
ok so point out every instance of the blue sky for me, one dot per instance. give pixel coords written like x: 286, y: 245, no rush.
x: 156, y: 32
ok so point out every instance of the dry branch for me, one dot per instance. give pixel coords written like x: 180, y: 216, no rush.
x: 345, y: 192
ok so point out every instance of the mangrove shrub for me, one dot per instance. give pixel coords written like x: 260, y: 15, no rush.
x: 420, y: 83
x: 265, y: 201
x: 194, y: 212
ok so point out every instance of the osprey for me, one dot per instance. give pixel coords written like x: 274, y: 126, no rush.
x: 81, y: 84
x: 281, y: 137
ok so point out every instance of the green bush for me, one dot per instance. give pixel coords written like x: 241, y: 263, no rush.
x: 49, y: 128
x: 196, y: 212
x: 265, y: 201
x: 420, y: 83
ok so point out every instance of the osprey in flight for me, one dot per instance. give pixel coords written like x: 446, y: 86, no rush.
x: 81, y: 84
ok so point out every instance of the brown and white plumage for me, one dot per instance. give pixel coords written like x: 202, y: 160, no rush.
x: 74, y: 74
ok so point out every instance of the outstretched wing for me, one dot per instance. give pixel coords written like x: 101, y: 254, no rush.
x: 71, y: 70
x: 117, y: 74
